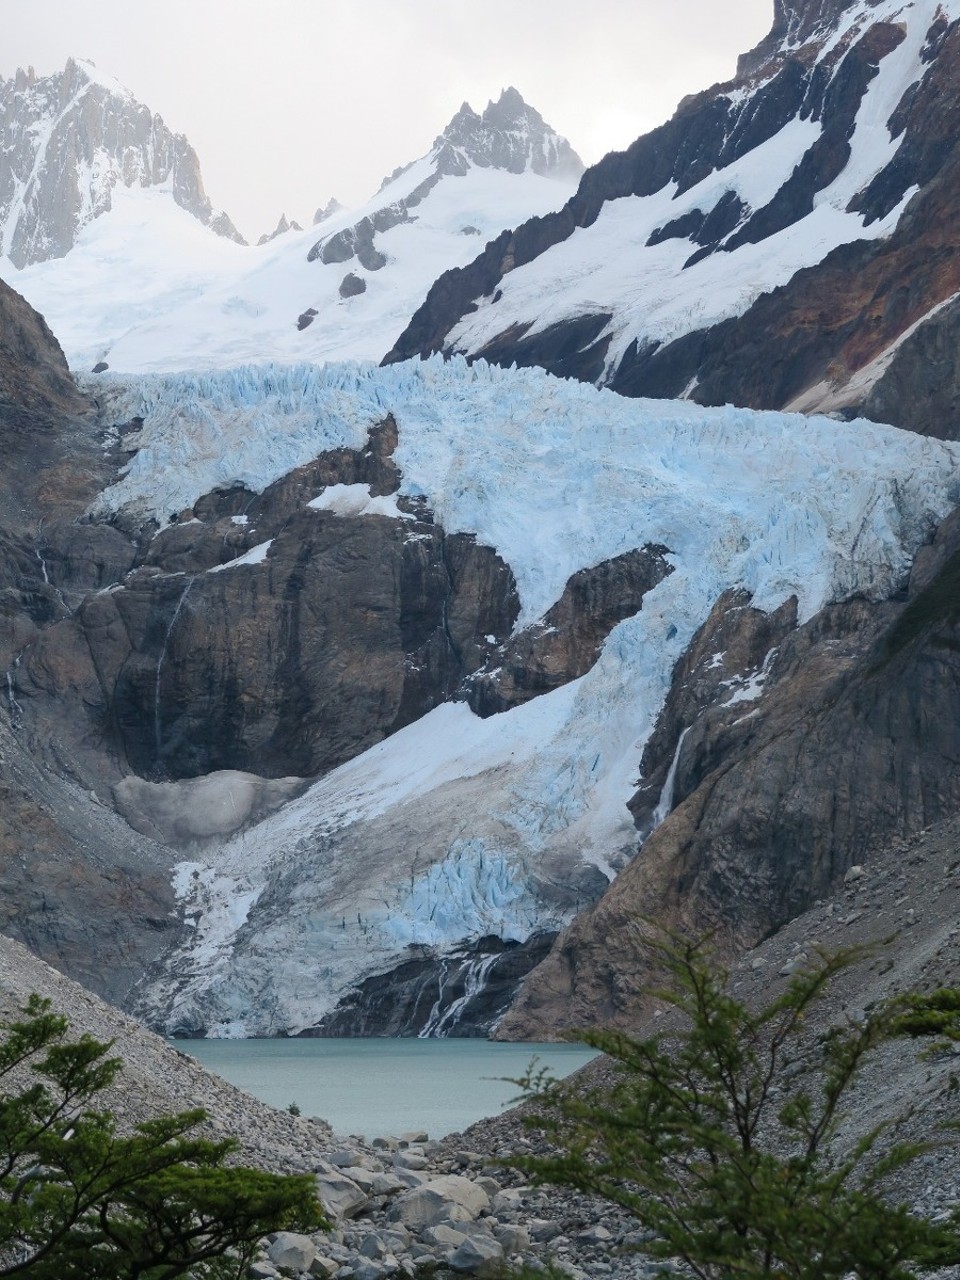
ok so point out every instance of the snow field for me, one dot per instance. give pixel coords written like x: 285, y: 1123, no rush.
x: 148, y: 288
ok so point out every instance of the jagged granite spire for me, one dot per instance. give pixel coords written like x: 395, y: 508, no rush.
x: 284, y: 225
x: 510, y: 135
x: 67, y: 140
x: 327, y: 210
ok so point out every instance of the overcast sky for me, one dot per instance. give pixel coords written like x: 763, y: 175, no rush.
x: 289, y: 102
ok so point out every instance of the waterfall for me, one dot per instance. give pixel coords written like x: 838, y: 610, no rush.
x: 43, y: 565
x: 473, y: 972
x: 665, y: 803
x: 163, y: 654
x: 16, y: 711
x: 435, y: 1014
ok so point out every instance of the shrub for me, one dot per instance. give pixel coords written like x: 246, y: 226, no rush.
x: 728, y: 1151
x: 78, y: 1199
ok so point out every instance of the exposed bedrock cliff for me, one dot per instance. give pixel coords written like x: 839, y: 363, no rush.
x: 54, y: 458
x: 76, y: 884
x: 461, y: 994
x: 262, y: 634
x: 803, y: 751
x: 822, y: 340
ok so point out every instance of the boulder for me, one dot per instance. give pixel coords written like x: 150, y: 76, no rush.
x: 449, y: 1198
x: 461, y: 1191
x: 386, y: 1184
x: 292, y: 1251
x: 410, y: 1160
x: 324, y: 1268
x: 512, y: 1237
x: 444, y: 1236
x: 425, y: 1207
x: 340, y: 1196
x: 477, y: 1256
x: 369, y: 1269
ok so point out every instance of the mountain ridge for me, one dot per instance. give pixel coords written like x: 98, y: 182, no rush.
x: 823, y: 179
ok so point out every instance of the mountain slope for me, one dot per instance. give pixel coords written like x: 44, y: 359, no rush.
x: 146, y: 288
x: 771, y: 245
x: 68, y: 141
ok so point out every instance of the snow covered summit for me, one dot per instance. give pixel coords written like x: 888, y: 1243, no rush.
x: 68, y: 141
x: 147, y: 288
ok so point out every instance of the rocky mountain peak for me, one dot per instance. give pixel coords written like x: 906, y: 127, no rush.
x: 284, y: 225
x: 327, y: 210
x: 510, y: 111
x: 510, y: 135
x: 68, y: 139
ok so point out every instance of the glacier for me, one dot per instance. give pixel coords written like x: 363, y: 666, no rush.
x: 457, y: 826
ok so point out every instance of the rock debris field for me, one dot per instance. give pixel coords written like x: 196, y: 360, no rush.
x: 409, y: 1202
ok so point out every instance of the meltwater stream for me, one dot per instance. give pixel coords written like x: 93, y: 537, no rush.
x: 379, y: 1086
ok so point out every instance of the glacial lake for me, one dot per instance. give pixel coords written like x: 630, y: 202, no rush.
x: 380, y: 1087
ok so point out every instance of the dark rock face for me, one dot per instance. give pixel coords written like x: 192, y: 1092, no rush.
x: 920, y: 389
x: 352, y: 285
x: 354, y: 242
x: 53, y: 460
x: 831, y: 321
x: 567, y: 642
x: 461, y: 995
x: 572, y: 347
x: 849, y: 746
x: 346, y: 630
x: 75, y: 884
x: 56, y: 134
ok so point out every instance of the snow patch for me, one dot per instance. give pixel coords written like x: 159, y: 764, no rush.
x: 356, y: 500
x: 750, y: 687
x: 256, y: 555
